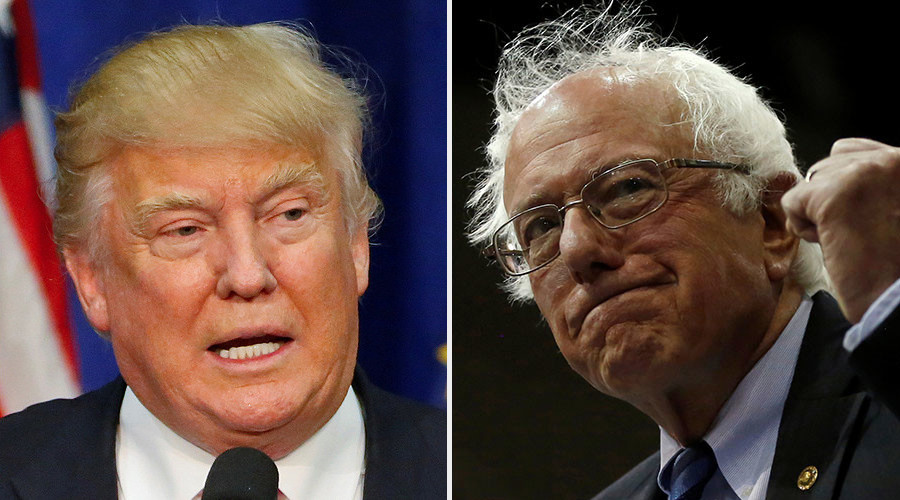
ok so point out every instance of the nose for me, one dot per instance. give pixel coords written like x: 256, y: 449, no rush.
x: 245, y: 272
x: 587, y: 248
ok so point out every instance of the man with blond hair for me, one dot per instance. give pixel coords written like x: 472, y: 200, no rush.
x: 214, y: 215
x: 636, y: 192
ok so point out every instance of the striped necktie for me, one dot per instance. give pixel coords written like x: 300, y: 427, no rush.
x: 693, y: 468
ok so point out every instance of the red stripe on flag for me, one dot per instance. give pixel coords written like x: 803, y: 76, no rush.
x: 26, y: 46
x: 19, y: 186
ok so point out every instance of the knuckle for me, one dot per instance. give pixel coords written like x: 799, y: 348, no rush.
x: 880, y: 164
x: 789, y: 200
x: 839, y: 145
x: 892, y: 158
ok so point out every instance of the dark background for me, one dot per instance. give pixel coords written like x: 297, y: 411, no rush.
x: 526, y: 426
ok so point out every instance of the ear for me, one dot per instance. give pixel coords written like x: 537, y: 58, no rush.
x: 360, y: 252
x: 779, y: 244
x: 89, y: 286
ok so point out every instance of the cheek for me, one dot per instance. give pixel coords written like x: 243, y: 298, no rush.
x: 720, y: 276
x: 153, y: 306
x: 169, y: 294
x: 319, y: 278
x: 550, y: 287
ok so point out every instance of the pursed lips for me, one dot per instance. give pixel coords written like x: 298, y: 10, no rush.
x: 600, y: 295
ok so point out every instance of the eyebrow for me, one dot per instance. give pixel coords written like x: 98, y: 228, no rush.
x: 538, y: 198
x: 294, y: 174
x: 286, y: 175
x: 146, y: 209
x: 607, y: 166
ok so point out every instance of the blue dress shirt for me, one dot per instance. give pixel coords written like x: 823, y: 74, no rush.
x: 745, y: 431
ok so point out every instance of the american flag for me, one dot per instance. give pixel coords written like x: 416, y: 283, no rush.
x: 38, y: 358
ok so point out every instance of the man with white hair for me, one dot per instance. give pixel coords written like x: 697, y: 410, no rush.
x: 214, y: 216
x: 636, y: 192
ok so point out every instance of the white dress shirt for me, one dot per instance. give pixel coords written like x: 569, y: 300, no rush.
x: 153, y: 462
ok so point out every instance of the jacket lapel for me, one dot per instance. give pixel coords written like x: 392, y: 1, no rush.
x: 383, y: 473
x: 824, y: 402
x: 405, y: 446
x: 78, y: 474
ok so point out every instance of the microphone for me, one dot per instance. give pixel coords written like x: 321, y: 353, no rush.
x: 242, y: 474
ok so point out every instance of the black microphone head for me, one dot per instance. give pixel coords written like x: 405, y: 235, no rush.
x: 242, y: 474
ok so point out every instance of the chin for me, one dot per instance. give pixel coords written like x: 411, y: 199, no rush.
x: 631, y: 365
x: 255, y: 410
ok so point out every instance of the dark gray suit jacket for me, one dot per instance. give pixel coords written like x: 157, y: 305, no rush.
x: 65, y: 449
x: 837, y: 417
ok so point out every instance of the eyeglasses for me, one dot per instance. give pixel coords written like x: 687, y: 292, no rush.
x: 615, y: 197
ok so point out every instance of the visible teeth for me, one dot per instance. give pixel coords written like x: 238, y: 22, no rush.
x: 250, y: 351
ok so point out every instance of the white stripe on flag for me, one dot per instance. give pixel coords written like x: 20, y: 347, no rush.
x: 6, y: 24
x: 32, y: 363
x: 40, y: 136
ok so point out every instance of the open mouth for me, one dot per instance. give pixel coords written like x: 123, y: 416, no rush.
x: 249, y: 348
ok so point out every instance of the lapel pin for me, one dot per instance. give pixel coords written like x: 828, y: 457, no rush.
x: 807, y: 478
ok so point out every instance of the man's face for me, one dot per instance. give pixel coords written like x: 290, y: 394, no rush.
x: 667, y: 303
x: 212, y: 251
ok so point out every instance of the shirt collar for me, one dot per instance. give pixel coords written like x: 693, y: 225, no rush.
x: 744, y: 433
x: 154, y: 462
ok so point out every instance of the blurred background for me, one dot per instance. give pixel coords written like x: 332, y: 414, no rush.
x: 46, y: 347
x: 524, y: 425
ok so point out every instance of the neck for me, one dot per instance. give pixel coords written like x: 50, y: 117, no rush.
x: 686, y: 412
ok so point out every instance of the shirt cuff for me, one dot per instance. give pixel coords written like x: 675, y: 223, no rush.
x: 874, y: 316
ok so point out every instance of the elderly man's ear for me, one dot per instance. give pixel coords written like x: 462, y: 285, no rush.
x: 89, y: 286
x: 779, y: 244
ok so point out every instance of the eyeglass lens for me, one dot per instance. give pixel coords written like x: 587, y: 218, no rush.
x: 614, y: 198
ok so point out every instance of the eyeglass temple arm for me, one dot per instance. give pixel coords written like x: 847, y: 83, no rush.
x: 686, y: 163
x: 491, y: 253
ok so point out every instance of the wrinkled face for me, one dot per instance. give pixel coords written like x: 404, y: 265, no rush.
x: 655, y: 306
x: 230, y: 291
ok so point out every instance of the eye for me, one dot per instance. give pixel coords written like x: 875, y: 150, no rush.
x: 629, y: 187
x: 538, y: 227
x: 622, y: 190
x: 535, y: 228
x: 293, y: 214
x: 186, y: 230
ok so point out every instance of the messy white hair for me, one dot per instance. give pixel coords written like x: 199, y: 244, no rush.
x: 728, y: 119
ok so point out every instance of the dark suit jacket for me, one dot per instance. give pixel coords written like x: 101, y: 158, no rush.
x: 65, y: 449
x: 832, y: 419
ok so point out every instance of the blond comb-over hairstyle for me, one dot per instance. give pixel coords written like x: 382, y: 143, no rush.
x: 209, y: 86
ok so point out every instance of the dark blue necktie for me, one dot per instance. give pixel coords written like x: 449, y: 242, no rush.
x: 693, y: 468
